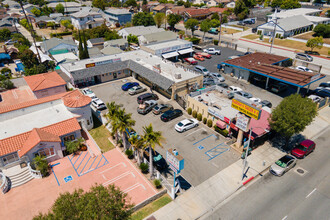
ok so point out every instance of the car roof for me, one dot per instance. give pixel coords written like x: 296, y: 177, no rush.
x: 286, y: 158
x: 307, y: 143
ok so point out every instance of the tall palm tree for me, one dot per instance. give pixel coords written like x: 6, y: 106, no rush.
x: 110, y: 115
x: 123, y: 121
x: 152, y: 138
x: 137, y: 144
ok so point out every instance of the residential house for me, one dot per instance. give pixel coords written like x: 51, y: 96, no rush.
x: 162, y: 8
x: 69, y: 7
x: 29, y: 7
x: 58, y: 46
x: 55, y: 15
x: 120, y: 43
x: 294, y: 12
x: 157, y: 37
x: 42, y: 21
x: 286, y: 27
x: 110, y: 50
x: 94, y: 52
x: 87, y: 18
x: 3, y: 13
x: 178, y: 10
x: 12, y: 4
x: 138, y: 31
x: 95, y: 42
x: 199, y: 14
x: 118, y: 16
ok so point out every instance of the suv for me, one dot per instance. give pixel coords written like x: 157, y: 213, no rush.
x: 217, y: 76
x: 303, y: 68
x: 278, y: 87
x: 98, y: 104
x: 146, y: 107
x: 88, y: 92
x: 212, y: 51
x: 201, y: 69
x: 303, y: 149
x: 303, y: 56
x: 171, y: 114
x: 145, y: 97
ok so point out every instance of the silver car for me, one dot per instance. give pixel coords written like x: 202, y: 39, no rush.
x: 283, y: 165
x: 136, y: 90
x: 217, y: 76
x: 146, y: 107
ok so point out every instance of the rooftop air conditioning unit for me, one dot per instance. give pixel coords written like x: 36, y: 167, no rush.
x: 177, y: 75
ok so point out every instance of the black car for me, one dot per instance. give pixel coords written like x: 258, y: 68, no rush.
x: 145, y: 97
x: 266, y: 103
x: 223, y: 85
x: 171, y: 114
x: 322, y: 92
x: 158, y: 161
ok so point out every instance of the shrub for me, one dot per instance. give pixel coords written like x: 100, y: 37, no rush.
x: 61, y: 34
x: 189, y: 110
x: 194, y: 114
x: 40, y: 163
x: 157, y: 183
x: 209, y: 123
x: 215, y: 42
x: 259, y: 32
x: 223, y: 132
x: 195, y: 40
x: 261, y: 37
x: 199, y: 117
x: 144, y: 167
x: 7, y: 84
x: 129, y: 153
x: 204, y: 120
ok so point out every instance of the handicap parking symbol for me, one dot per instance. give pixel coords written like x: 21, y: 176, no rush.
x: 200, y: 147
x: 67, y: 178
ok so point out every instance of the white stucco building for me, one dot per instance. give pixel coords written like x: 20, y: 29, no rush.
x: 87, y: 18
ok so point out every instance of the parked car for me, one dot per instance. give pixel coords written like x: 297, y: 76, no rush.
x: 283, y: 165
x: 266, y: 103
x: 213, y: 31
x: 303, y: 68
x: 303, y: 149
x: 170, y: 115
x: 161, y: 108
x: 244, y: 94
x: 303, y: 56
x: 146, y: 107
x: 223, y: 85
x: 322, y: 92
x: 234, y: 89
x: 315, y: 98
x: 312, y: 52
x: 136, y: 90
x: 278, y: 87
x: 191, y: 61
x: 129, y: 85
x: 88, y: 92
x: 217, y: 76
x: 186, y: 124
x: 199, y: 57
x: 98, y: 104
x: 206, y: 55
x: 145, y: 97
x: 158, y: 160
x: 212, y: 51
x: 255, y: 100
x: 324, y: 85
x: 201, y: 69
x: 208, y: 82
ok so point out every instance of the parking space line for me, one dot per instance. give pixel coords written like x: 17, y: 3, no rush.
x: 194, y: 132
x: 204, y: 139
x: 215, y: 150
x: 85, y: 164
x: 117, y: 178
x: 114, y: 167
x: 126, y: 191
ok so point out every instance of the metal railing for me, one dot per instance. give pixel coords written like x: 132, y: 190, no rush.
x: 35, y: 173
x: 4, y: 183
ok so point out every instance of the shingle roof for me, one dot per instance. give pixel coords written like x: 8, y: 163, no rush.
x: 44, y: 81
x: 160, y: 36
x: 84, y: 12
x: 109, y: 50
x: 76, y: 99
x: 53, y: 42
x: 118, y: 42
x: 294, y: 22
x: 17, y: 142
x: 117, y: 11
x: 96, y: 40
x: 198, y: 12
x: 141, y: 30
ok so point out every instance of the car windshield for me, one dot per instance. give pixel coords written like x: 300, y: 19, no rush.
x: 306, y: 69
x: 88, y: 91
x: 180, y: 124
x: 300, y: 147
x: 157, y: 107
x: 204, y: 70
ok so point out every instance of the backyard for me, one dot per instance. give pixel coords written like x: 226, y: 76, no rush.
x: 101, y: 134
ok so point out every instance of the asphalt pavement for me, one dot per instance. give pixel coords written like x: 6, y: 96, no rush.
x: 292, y: 196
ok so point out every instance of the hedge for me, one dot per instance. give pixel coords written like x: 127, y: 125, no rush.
x: 194, y: 114
x: 61, y: 34
x: 215, y: 42
x: 204, y: 120
x: 189, y: 110
x: 209, y: 123
x: 199, y: 116
x: 223, y: 132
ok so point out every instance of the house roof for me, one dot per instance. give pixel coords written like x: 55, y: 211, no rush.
x: 294, y: 12
x: 109, y: 50
x: 160, y: 36
x: 293, y: 22
x: 158, y: 8
x: 44, y: 81
x: 44, y: 18
x: 219, y: 10
x: 198, y: 12
x: 117, y: 11
x: 141, y: 30
x: 53, y: 42
x: 17, y: 142
x: 118, y: 42
x: 76, y: 99
x: 96, y: 40
x: 86, y: 11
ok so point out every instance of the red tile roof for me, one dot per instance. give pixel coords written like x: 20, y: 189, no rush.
x: 25, y: 140
x: 215, y: 9
x: 198, y: 12
x: 44, y: 81
x: 76, y: 99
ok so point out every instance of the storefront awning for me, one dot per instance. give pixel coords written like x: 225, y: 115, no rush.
x: 169, y: 55
x: 221, y: 124
x: 185, y: 51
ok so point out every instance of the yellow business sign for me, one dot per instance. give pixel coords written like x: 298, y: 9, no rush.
x: 246, y: 109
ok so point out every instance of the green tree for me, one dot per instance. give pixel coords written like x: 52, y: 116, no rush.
x: 36, y: 69
x: 111, y: 115
x: 316, y: 42
x: 40, y: 163
x: 205, y: 26
x: 86, y: 55
x: 180, y: 3
x: 59, y: 8
x: 187, y: 4
x: 36, y: 12
x: 215, y: 16
x: 98, y: 203
x: 191, y: 24
x: 99, y: 4
x: 132, y: 39
x: 123, y: 121
x: 28, y: 58
x: 322, y: 30
x: 143, y: 18
x: 292, y: 115
x: 328, y: 13
x: 5, y: 34
x: 276, y: 3
x: 215, y: 23
x: 132, y: 3
x: 173, y: 19
x: 6, y: 84
x: 80, y: 47
x: 159, y: 19
x: 144, y: 2
x: 73, y: 146
x: 45, y: 10
x: 67, y: 24
x: 152, y: 138
x: 290, y: 4
x: 241, y: 10
x: 137, y: 144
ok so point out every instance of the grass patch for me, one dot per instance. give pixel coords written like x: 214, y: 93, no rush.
x: 239, y: 26
x: 229, y: 31
x: 101, y: 134
x: 309, y: 35
x: 251, y: 36
x: 151, y: 208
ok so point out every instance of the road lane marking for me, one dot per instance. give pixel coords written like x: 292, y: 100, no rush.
x: 285, y: 217
x: 310, y: 193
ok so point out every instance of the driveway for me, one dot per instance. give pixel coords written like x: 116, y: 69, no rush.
x: 204, y: 151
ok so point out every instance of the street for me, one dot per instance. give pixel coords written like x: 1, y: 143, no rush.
x: 292, y: 196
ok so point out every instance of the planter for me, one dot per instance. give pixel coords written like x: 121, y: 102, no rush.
x: 83, y: 147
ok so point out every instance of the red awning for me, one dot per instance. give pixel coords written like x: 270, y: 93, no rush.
x: 221, y: 124
x: 233, y: 126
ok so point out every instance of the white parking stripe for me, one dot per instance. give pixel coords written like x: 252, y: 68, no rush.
x: 194, y: 132
x: 310, y: 193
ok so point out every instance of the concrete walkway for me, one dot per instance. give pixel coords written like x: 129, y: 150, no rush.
x: 320, y: 123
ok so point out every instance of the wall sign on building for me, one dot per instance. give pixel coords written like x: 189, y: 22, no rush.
x: 88, y: 65
x: 246, y: 109
x: 242, y: 122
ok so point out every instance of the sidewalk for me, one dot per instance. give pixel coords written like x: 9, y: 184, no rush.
x: 201, y: 199
x: 320, y: 123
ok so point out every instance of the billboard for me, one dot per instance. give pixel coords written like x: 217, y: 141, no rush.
x: 246, y: 109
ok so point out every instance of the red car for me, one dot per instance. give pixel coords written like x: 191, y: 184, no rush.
x: 191, y: 60
x: 199, y: 57
x: 303, y: 149
x: 206, y: 55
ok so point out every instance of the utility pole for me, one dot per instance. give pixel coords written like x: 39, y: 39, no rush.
x: 31, y: 30
x: 165, y: 15
x: 274, y: 32
x: 219, y: 42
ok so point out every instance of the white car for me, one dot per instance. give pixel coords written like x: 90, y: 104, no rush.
x: 255, y: 100
x: 136, y: 90
x: 217, y: 76
x: 315, y: 98
x: 234, y: 89
x: 98, y: 104
x: 283, y: 165
x: 186, y: 124
x: 212, y: 51
x: 88, y: 92
x: 303, y: 68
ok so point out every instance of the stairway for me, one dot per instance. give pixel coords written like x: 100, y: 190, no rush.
x: 18, y: 176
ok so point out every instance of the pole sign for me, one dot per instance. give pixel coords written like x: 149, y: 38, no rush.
x: 176, y: 161
x: 242, y: 122
x: 246, y: 109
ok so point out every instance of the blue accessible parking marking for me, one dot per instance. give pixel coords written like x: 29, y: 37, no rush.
x: 68, y: 178
x: 217, y: 150
x: 200, y: 147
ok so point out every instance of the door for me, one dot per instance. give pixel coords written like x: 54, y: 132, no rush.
x: 115, y: 75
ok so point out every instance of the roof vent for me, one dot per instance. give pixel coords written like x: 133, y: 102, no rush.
x: 138, y: 59
x: 177, y: 75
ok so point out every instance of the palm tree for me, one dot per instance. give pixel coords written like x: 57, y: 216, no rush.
x: 137, y: 144
x: 123, y: 121
x: 152, y: 138
x: 111, y: 115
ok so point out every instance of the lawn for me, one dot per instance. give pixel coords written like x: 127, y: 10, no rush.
x: 151, y: 208
x: 101, y: 134
x: 229, y: 31
x: 239, y: 26
x: 309, y: 35
x: 251, y: 36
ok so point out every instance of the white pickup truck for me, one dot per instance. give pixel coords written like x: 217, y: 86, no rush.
x: 212, y: 51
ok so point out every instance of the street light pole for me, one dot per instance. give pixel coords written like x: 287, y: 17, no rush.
x: 219, y: 42
x: 271, y: 46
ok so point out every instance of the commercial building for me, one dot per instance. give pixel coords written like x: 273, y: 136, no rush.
x: 294, y: 12
x: 157, y: 37
x: 163, y: 76
x: 138, y: 31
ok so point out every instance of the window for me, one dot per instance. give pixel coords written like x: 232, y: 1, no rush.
x: 81, y: 19
x: 69, y: 138
x: 10, y: 158
x: 88, y: 122
x: 47, y: 152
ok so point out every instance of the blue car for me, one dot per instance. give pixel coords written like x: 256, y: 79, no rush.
x: 129, y: 85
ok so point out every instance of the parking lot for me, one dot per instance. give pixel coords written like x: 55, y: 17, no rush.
x: 204, y: 151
